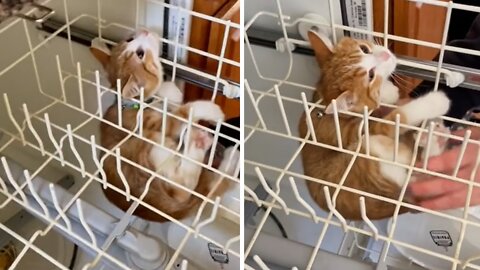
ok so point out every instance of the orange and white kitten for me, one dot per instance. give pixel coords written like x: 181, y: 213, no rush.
x: 356, y: 74
x: 135, y: 62
x: 7, y: 256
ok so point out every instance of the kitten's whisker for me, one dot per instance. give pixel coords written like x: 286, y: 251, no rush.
x: 403, y: 79
x: 402, y: 85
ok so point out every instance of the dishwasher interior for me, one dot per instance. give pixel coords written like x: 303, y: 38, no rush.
x: 54, y: 93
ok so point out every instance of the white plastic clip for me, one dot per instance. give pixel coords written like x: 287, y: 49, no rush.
x: 231, y: 91
x: 283, y: 45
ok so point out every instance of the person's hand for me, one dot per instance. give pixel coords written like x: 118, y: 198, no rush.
x: 441, y: 194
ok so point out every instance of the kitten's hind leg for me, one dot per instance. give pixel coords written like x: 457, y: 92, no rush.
x: 383, y: 147
x: 438, y: 143
x: 197, y: 148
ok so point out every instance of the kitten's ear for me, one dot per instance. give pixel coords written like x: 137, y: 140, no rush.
x: 345, y: 102
x: 100, y: 51
x: 131, y: 89
x: 321, y: 45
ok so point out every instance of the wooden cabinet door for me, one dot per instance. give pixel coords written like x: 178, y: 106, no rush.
x: 208, y: 36
x: 423, y: 23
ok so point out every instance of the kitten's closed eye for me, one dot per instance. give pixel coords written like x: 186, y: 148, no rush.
x: 129, y: 39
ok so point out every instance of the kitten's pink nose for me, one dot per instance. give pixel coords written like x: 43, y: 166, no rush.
x: 384, y: 56
x: 144, y: 32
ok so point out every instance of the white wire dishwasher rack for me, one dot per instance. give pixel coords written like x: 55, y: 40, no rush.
x: 284, y: 227
x: 53, y: 95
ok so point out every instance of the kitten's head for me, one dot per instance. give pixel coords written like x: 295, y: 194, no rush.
x: 352, y: 71
x: 134, y: 61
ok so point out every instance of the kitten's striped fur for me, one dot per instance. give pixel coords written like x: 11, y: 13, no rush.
x: 355, y: 73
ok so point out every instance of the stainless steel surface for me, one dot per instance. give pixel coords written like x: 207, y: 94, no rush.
x: 84, y: 37
x: 472, y: 76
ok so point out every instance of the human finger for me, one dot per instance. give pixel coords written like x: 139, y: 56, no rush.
x: 434, y: 186
x: 451, y: 200
x: 447, y: 161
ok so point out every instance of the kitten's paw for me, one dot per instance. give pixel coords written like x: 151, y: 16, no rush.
x: 202, y: 139
x: 438, y: 143
x: 429, y: 106
x: 389, y: 93
x: 438, y: 103
x: 170, y: 90
x: 231, y: 158
x: 206, y: 110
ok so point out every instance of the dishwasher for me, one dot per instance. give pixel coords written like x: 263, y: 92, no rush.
x: 53, y: 214
x: 284, y: 227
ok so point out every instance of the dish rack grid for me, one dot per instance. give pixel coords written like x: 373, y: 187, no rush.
x: 67, y: 146
x: 284, y: 93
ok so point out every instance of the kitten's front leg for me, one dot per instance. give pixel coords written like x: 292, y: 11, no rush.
x: 389, y: 93
x: 171, y: 91
x: 429, y: 106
